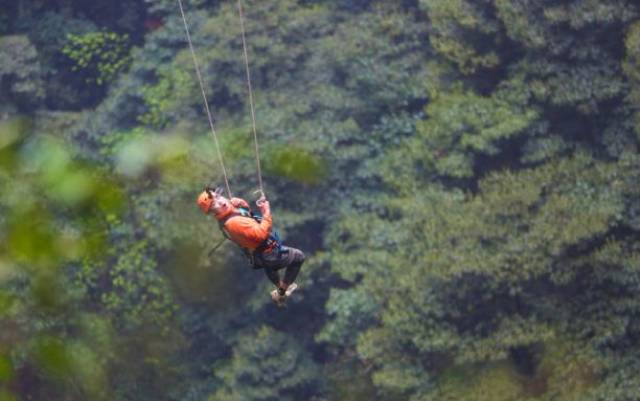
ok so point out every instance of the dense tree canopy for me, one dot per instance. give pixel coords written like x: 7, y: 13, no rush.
x: 462, y: 176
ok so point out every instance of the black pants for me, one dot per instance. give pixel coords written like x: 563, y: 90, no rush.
x: 287, y: 258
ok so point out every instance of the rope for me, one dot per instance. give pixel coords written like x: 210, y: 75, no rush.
x: 204, y: 97
x: 253, y: 113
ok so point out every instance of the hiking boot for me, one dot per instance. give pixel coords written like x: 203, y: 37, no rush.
x: 292, y: 287
x: 277, y: 298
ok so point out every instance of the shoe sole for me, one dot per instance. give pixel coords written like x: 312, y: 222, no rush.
x: 277, y: 299
x: 291, y: 289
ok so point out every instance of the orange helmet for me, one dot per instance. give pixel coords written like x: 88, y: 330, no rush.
x: 205, y: 201
x: 206, y: 197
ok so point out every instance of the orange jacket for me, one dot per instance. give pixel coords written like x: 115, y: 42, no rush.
x: 245, y: 231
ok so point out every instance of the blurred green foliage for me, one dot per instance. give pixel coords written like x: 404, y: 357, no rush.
x: 296, y: 164
x: 6, y: 370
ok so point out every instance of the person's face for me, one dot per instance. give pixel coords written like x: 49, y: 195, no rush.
x: 220, y: 205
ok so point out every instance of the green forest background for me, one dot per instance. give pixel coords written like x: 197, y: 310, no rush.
x: 461, y: 174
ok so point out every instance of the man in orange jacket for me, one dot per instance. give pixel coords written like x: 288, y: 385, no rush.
x: 255, y: 238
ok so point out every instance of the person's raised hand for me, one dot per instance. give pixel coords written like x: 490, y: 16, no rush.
x: 263, y: 204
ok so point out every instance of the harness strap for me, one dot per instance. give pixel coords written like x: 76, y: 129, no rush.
x: 272, y: 242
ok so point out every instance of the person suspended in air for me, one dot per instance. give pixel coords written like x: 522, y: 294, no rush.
x: 253, y: 233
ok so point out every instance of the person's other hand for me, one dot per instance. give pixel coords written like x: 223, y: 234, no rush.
x: 238, y: 202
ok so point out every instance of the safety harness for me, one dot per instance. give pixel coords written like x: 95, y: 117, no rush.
x: 273, y: 243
